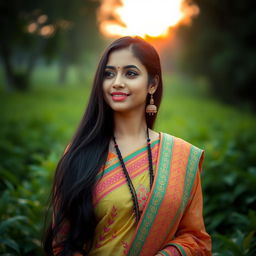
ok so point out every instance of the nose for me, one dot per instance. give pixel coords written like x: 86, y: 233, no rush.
x: 118, y: 82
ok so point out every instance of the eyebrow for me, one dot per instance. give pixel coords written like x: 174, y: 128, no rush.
x: 125, y: 67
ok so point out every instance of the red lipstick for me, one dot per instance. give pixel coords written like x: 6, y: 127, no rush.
x: 119, y: 96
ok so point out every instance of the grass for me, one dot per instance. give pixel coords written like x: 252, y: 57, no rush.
x: 186, y: 111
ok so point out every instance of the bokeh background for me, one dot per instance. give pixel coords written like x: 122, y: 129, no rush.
x: 49, y: 52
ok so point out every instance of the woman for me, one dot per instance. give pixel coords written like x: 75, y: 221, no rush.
x: 120, y: 187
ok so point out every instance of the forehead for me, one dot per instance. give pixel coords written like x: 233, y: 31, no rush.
x: 123, y: 57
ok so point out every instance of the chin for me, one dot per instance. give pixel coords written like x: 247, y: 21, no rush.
x: 120, y: 110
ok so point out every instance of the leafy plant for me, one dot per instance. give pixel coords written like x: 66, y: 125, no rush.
x: 35, y: 128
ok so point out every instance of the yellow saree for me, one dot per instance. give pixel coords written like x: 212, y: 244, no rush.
x: 171, y: 222
x: 113, y: 203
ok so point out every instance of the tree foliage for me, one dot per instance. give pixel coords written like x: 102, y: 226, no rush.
x: 220, y: 45
x: 44, y: 30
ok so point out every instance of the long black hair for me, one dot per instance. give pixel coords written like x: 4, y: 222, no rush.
x: 75, y: 176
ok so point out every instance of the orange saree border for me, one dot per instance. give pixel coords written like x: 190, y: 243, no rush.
x: 175, y: 174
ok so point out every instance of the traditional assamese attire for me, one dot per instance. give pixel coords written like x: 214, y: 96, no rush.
x: 171, y: 220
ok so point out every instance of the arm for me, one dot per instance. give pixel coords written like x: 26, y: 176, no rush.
x: 191, y: 237
x: 169, y: 250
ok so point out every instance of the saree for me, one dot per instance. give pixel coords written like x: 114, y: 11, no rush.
x: 171, y: 220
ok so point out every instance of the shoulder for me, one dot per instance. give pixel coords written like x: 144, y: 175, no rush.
x: 179, y: 141
x: 193, y: 154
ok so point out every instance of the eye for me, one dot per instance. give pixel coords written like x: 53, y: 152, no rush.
x: 131, y: 73
x: 108, y: 74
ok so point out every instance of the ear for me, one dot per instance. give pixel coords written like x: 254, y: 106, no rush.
x: 153, y: 85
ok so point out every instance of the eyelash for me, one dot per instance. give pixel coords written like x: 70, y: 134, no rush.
x: 133, y: 73
x: 130, y: 73
x: 107, y: 73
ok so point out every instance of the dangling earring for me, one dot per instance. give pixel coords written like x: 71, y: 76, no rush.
x: 151, y: 109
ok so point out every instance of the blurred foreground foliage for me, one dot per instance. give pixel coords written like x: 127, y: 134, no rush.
x: 35, y: 128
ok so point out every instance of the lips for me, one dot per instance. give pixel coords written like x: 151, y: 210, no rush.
x: 119, y: 93
x: 119, y: 96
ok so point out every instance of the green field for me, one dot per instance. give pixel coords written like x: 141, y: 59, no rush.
x: 36, y: 126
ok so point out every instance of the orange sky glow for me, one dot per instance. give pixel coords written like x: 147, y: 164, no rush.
x: 145, y: 18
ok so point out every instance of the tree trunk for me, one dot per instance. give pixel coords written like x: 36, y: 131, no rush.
x: 41, y: 44
x: 5, y: 52
x: 64, y: 65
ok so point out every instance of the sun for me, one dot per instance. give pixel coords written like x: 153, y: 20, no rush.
x: 153, y: 18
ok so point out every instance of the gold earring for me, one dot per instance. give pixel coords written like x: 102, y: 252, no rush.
x: 151, y: 108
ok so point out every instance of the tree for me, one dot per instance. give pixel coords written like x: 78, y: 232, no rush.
x: 221, y: 45
x: 19, y: 48
x: 48, y: 30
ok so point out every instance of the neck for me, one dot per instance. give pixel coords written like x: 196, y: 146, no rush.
x: 129, y: 125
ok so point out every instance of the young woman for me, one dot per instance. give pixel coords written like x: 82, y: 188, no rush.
x: 122, y: 188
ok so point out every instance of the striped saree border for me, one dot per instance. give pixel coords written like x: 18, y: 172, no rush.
x: 170, y: 207
x: 179, y: 247
x: 164, y: 253
x: 170, y: 250
x: 115, y: 179
x: 114, y: 162
x: 172, y: 198
x: 156, y: 196
x: 191, y: 170
x: 148, y: 221
x: 193, y: 161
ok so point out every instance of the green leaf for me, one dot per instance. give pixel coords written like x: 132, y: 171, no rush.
x: 10, y: 243
x: 8, y: 222
x: 229, y: 244
x: 248, y: 239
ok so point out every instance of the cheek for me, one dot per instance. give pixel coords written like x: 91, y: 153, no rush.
x: 141, y: 87
x: 105, y: 87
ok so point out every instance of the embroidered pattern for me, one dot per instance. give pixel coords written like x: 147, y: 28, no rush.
x: 111, y: 179
x: 125, y: 246
x: 142, y: 194
x: 107, y: 228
